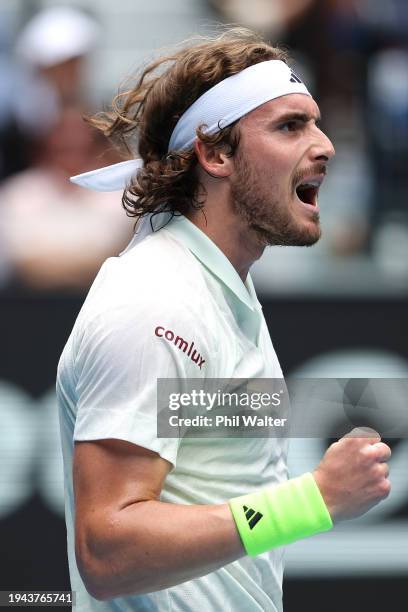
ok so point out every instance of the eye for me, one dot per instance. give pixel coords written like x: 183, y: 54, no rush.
x: 290, y: 126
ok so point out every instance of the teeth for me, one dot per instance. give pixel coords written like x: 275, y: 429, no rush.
x: 310, y: 184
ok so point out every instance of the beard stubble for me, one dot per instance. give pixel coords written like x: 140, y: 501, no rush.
x: 265, y: 214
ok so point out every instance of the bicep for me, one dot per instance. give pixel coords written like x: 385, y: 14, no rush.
x: 129, y: 542
x: 111, y: 474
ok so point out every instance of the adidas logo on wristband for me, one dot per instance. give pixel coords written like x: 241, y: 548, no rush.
x: 252, y: 516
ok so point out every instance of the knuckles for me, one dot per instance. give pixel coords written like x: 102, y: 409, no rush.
x: 366, y: 455
x: 375, y: 452
x: 383, y: 451
x: 379, y: 471
x: 364, y: 470
x: 384, y: 488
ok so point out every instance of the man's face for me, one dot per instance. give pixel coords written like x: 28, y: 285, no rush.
x: 279, y: 166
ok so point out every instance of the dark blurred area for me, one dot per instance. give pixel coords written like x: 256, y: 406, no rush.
x: 337, y: 310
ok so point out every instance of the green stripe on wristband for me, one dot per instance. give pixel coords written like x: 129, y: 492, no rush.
x: 279, y: 515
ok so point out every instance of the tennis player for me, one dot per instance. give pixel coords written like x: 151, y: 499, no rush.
x: 232, y: 159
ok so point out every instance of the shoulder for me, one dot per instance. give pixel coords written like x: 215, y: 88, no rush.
x: 157, y: 267
x: 158, y: 283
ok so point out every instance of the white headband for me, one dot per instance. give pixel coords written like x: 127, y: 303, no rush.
x: 217, y: 108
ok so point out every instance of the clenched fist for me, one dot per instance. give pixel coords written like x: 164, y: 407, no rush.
x: 353, y: 474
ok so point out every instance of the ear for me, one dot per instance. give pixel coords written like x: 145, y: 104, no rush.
x: 213, y: 160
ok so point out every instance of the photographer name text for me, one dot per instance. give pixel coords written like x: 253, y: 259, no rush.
x: 225, y: 421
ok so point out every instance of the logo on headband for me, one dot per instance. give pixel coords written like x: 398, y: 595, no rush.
x: 294, y: 77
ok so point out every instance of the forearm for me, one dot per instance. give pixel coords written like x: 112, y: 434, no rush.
x: 151, y: 545
x: 130, y: 547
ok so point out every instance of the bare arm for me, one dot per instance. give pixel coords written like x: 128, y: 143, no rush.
x: 127, y: 541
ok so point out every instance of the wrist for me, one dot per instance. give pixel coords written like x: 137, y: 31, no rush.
x: 279, y: 515
x: 325, y: 491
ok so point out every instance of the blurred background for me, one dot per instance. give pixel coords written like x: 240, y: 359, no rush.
x: 337, y: 310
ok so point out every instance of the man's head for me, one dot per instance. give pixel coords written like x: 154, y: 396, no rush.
x: 276, y: 170
x: 255, y: 162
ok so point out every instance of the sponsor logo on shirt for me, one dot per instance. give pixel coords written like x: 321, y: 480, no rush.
x: 182, y: 344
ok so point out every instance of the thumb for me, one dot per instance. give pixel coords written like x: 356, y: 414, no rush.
x: 367, y: 433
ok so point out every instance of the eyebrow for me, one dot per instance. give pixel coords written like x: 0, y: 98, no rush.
x: 295, y: 116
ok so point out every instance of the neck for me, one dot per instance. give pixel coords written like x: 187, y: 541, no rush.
x: 229, y: 233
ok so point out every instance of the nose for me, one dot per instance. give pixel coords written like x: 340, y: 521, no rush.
x: 322, y: 149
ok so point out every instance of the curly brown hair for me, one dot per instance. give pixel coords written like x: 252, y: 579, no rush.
x: 148, y: 113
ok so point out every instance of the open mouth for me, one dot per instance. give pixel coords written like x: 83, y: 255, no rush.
x: 307, y: 192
